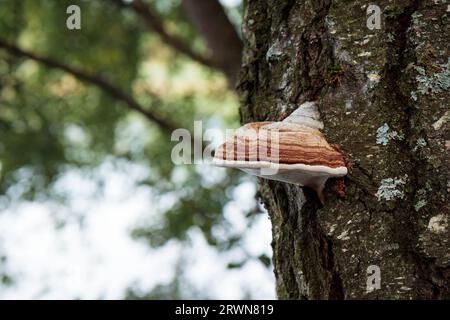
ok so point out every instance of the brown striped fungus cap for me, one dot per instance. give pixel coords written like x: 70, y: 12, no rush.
x: 293, y: 150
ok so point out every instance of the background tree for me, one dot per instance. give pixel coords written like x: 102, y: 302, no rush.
x: 114, y: 91
x: 383, y: 95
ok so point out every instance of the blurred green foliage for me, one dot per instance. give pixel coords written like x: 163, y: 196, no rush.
x: 51, y: 123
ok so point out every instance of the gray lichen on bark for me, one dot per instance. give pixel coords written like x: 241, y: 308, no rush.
x: 298, y: 51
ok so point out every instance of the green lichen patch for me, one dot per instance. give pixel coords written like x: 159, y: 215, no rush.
x: 384, y: 134
x: 389, y: 188
x: 420, y: 204
x: 435, y: 83
x: 420, y: 143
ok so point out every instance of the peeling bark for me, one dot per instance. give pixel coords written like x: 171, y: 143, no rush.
x: 383, y: 96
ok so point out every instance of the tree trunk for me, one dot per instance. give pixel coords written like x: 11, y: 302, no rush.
x: 383, y: 95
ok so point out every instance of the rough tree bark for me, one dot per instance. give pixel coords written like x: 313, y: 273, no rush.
x: 383, y: 95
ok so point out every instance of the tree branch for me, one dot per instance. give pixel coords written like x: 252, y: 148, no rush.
x: 212, y: 23
x: 103, y: 84
x: 155, y: 23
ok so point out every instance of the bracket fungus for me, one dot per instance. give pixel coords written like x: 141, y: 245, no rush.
x: 293, y: 150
